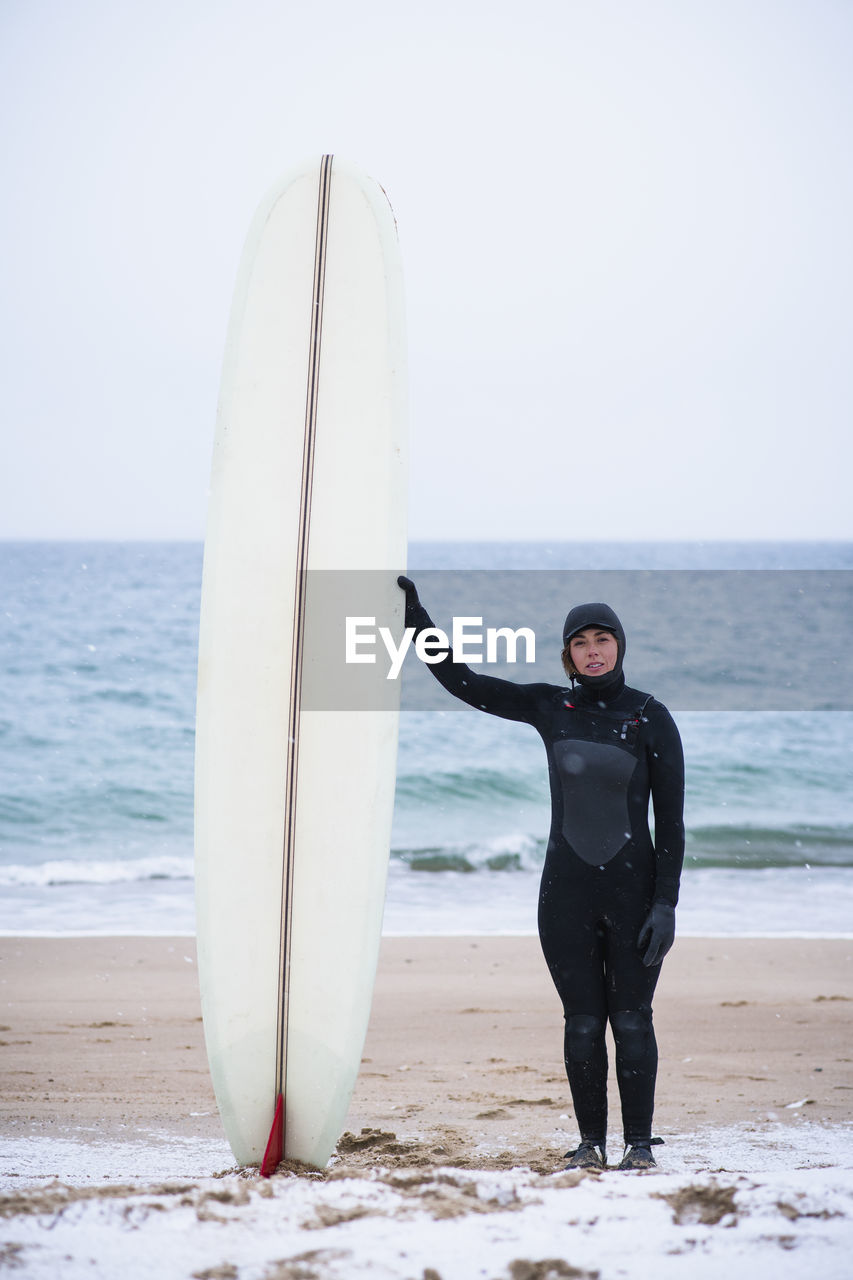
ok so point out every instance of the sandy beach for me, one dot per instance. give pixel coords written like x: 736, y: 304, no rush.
x: 103, y: 1048
x: 464, y: 1048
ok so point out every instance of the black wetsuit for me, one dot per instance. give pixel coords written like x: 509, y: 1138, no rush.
x: 608, y: 751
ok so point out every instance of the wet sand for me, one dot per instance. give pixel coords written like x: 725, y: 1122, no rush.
x: 462, y: 1063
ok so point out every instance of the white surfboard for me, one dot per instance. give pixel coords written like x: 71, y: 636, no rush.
x: 293, y: 804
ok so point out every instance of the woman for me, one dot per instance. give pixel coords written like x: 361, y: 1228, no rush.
x: 608, y: 893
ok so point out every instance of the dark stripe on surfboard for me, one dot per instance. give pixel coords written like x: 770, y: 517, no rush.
x: 308, y: 449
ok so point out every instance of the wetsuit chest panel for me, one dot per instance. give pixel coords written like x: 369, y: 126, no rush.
x: 594, y: 778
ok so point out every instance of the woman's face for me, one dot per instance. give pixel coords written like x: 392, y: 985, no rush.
x: 594, y: 652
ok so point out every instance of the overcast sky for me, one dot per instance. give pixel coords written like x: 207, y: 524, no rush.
x: 625, y: 232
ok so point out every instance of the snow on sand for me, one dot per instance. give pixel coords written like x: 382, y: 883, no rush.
x: 737, y: 1202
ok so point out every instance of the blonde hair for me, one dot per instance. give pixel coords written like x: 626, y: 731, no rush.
x: 568, y: 665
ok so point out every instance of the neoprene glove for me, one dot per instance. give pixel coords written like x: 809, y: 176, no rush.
x: 658, y: 933
x: 413, y: 604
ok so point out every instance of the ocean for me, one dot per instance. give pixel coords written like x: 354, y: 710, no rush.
x: 746, y: 643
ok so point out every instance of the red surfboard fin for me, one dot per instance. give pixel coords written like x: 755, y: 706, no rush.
x: 275, y: 1142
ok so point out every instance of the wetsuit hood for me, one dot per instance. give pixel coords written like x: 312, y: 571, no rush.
x: 597, y: 615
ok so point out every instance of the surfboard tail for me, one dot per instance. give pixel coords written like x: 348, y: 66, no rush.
x: 275, y: 1142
